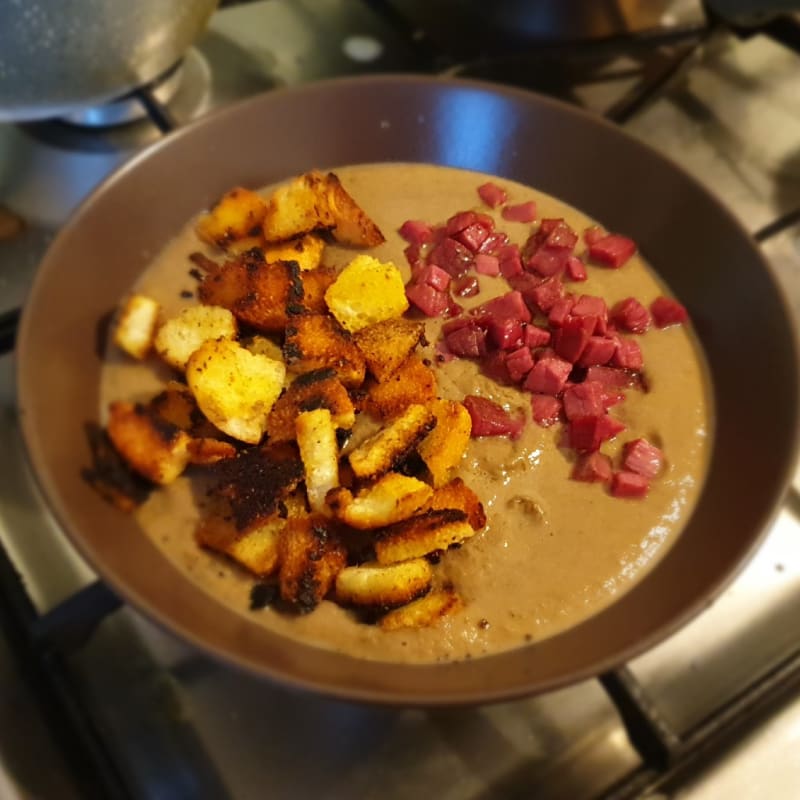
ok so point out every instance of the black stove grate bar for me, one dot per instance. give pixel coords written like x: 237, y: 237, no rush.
x: 9, y: 323
x: 783, y: 223
x: 159, y: 114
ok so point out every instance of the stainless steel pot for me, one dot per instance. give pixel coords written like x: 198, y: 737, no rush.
x: 58, y: 56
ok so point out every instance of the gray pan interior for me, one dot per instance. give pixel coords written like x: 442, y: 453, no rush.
x: 693, y: 242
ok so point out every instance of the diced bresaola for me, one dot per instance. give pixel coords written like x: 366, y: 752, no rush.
x: 415, y: 231
x: 510, y: 263
x: 612, y: 250
x: 584, y: 400
x: 570, y: 340
x: 612, y: 378
x: 505, y: 333
x: 468, y: 341
x: 598, y: 351
x: 492, y: 194
x: 508, y: 306
x: 560, y: 311
x: 592, y: 468
x: 465, y: 286
x: 487, y: 265
x: 575, y: 269
x: 521, y: 212
x: 547, y: 261
x: 642, y: 457
x: 586, y: 434
x: 451, y: 256
x: 430, y: 301
x: 627, y: 355
x: 533, y: 336
x: 667, y: 311
x: 519, y: 363
x: 545, y: 294
x: 630, y: 315
x: 490, y: 419
x: 548, y: 376
x: 629, y: 484
x: 546, y: 409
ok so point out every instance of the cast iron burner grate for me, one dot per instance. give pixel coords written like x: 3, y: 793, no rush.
x: 43, y: 642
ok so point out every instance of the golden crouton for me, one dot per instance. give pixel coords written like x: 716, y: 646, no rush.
x: 311, y: 556
x: 366, y: 291
x: 237, y: 215
x: 305, y: 250
x: 318, y: 389
x: 443, y: 448
x: 180, y: 336
x: 316, y: 439
x: 391, y: 444
x: 136, y: 325
x: 352, y: 226
x: 205, y: 451
x: 176, y: 405
x: 234, y: 388
x: 316, y: 341
x: 411, y: 383
x: 262, y: 346
x: 153, y: 448
x: 256, y: 547
x: 387, y: 344
x: 374, y: 584
x: 423, y: 612
x: 457, y: 495
x: 422, y: 534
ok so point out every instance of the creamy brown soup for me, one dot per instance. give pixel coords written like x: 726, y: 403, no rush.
x: 554, y: 551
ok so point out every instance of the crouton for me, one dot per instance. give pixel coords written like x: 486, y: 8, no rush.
x: 352, y: 226
x: 422, y: 534
x: 180, y: 336
x: 316, y: 439
x: 237, y: 215
x: 378, y: 585
x: 411, y: 383
x: 444, y: 447
x: 155, y: 449
x: 305, y: 250
x: 393, y: 498
x: 317, y: 341
x: 234, y: 388
x: 136, y: 325
x: 262, y: 346
x: 317, y: 389
x: 392, y: 443
x: 423, y: 612
x: 205, y: 451
x: 311, y: 556
x: 176, y: 405
x: 387, y: 344
x: 366, y: 291
x: 457, y: 495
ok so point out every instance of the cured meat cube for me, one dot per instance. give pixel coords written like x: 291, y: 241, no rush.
x: 612, y: 250
x: 505, y: 334
x: 521, y: 212
x: 487, y: 265
x: 667, y: 311
x: 452, y: 256
x: 628, y: 355
x: 547, y: 261
x: 507, y: 306
x: 473, y: 236
x: 611, y: 378
x: 430, y: 301
x: 630, y: 315
x: 592, y: 468
x: 458, y: 222
x: 519, y: 363
x: 468, y: 341
x: 510, y: 261
x: 575, y: 269
x: 584, y: 400
x: 588, y: 305
x: 434, y: 276
x: 598, y: 350
x: 416, y: 232
x: 629, y: 484
x: 642, y: 457
x: 494, y: 366
x: 494, y: 242
x: 586, y: 434
x: 546, y: 294
x: 546, y: 409
x: 413, y: 254
x: 492, y: 194
x: 490, y: 419
x: 560, y: 310
x: 570, y: 339
x: 548, y: 376
x: 593, y: 234
x: 534, y: 336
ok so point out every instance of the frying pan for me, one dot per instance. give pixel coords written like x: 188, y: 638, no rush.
x: 693, y: 242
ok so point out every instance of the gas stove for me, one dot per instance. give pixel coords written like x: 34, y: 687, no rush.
x: 98, y: 702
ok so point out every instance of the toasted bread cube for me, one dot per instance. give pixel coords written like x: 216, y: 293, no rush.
x: 237, y: 215
x: 204, y: 451
x: 136, y: 325
x: 238, y: 246
x: 305, y: 250
x: 374, y: 584
x: 391, y: 444
x: 234, y: 388
x: 316, y: 438
x: 317, y: 341
x: 444, y: 447
x: 423, y: 612
x: 176, y: 405
x: 256, y: 547
x: 180, y: 336
x: 318, y: 389
x: 311, y: 556
x: 411, y: 383
x: 394, y: 497
x: 422, y: 534
x: 365, y: 292
x: 457, y: 495
x: 155, y: 449
x: 387, y: 344
x: 352, y: 226
x: 262, y: 346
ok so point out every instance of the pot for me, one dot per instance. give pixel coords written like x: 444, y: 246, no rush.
x: 697, y: 247
x: 59, y: 56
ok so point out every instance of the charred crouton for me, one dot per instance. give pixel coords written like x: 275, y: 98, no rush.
x: 392, y: 443
x: 136, y: 325
x: 203, y: 452
x: 180, y: 336
x: 318, y: 389
x: 306, y: 251
x: 411, y: 383
x: 443, y: 448
x: 422, y: 534
x: 152, y: 447
x: 256, y: 547
x: 316, y: 439
x: 352, y: 226
x: 377, y: 585
x: 237, y: 215
x: 423, y: 612
x: 366, y: 291
x: 457, y: 495
x: 316, y: 341
x: 311, y: 556
x: 176, y: 405
x: 393, y: 498
x: 387, y: 344
x: 234, y: 388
